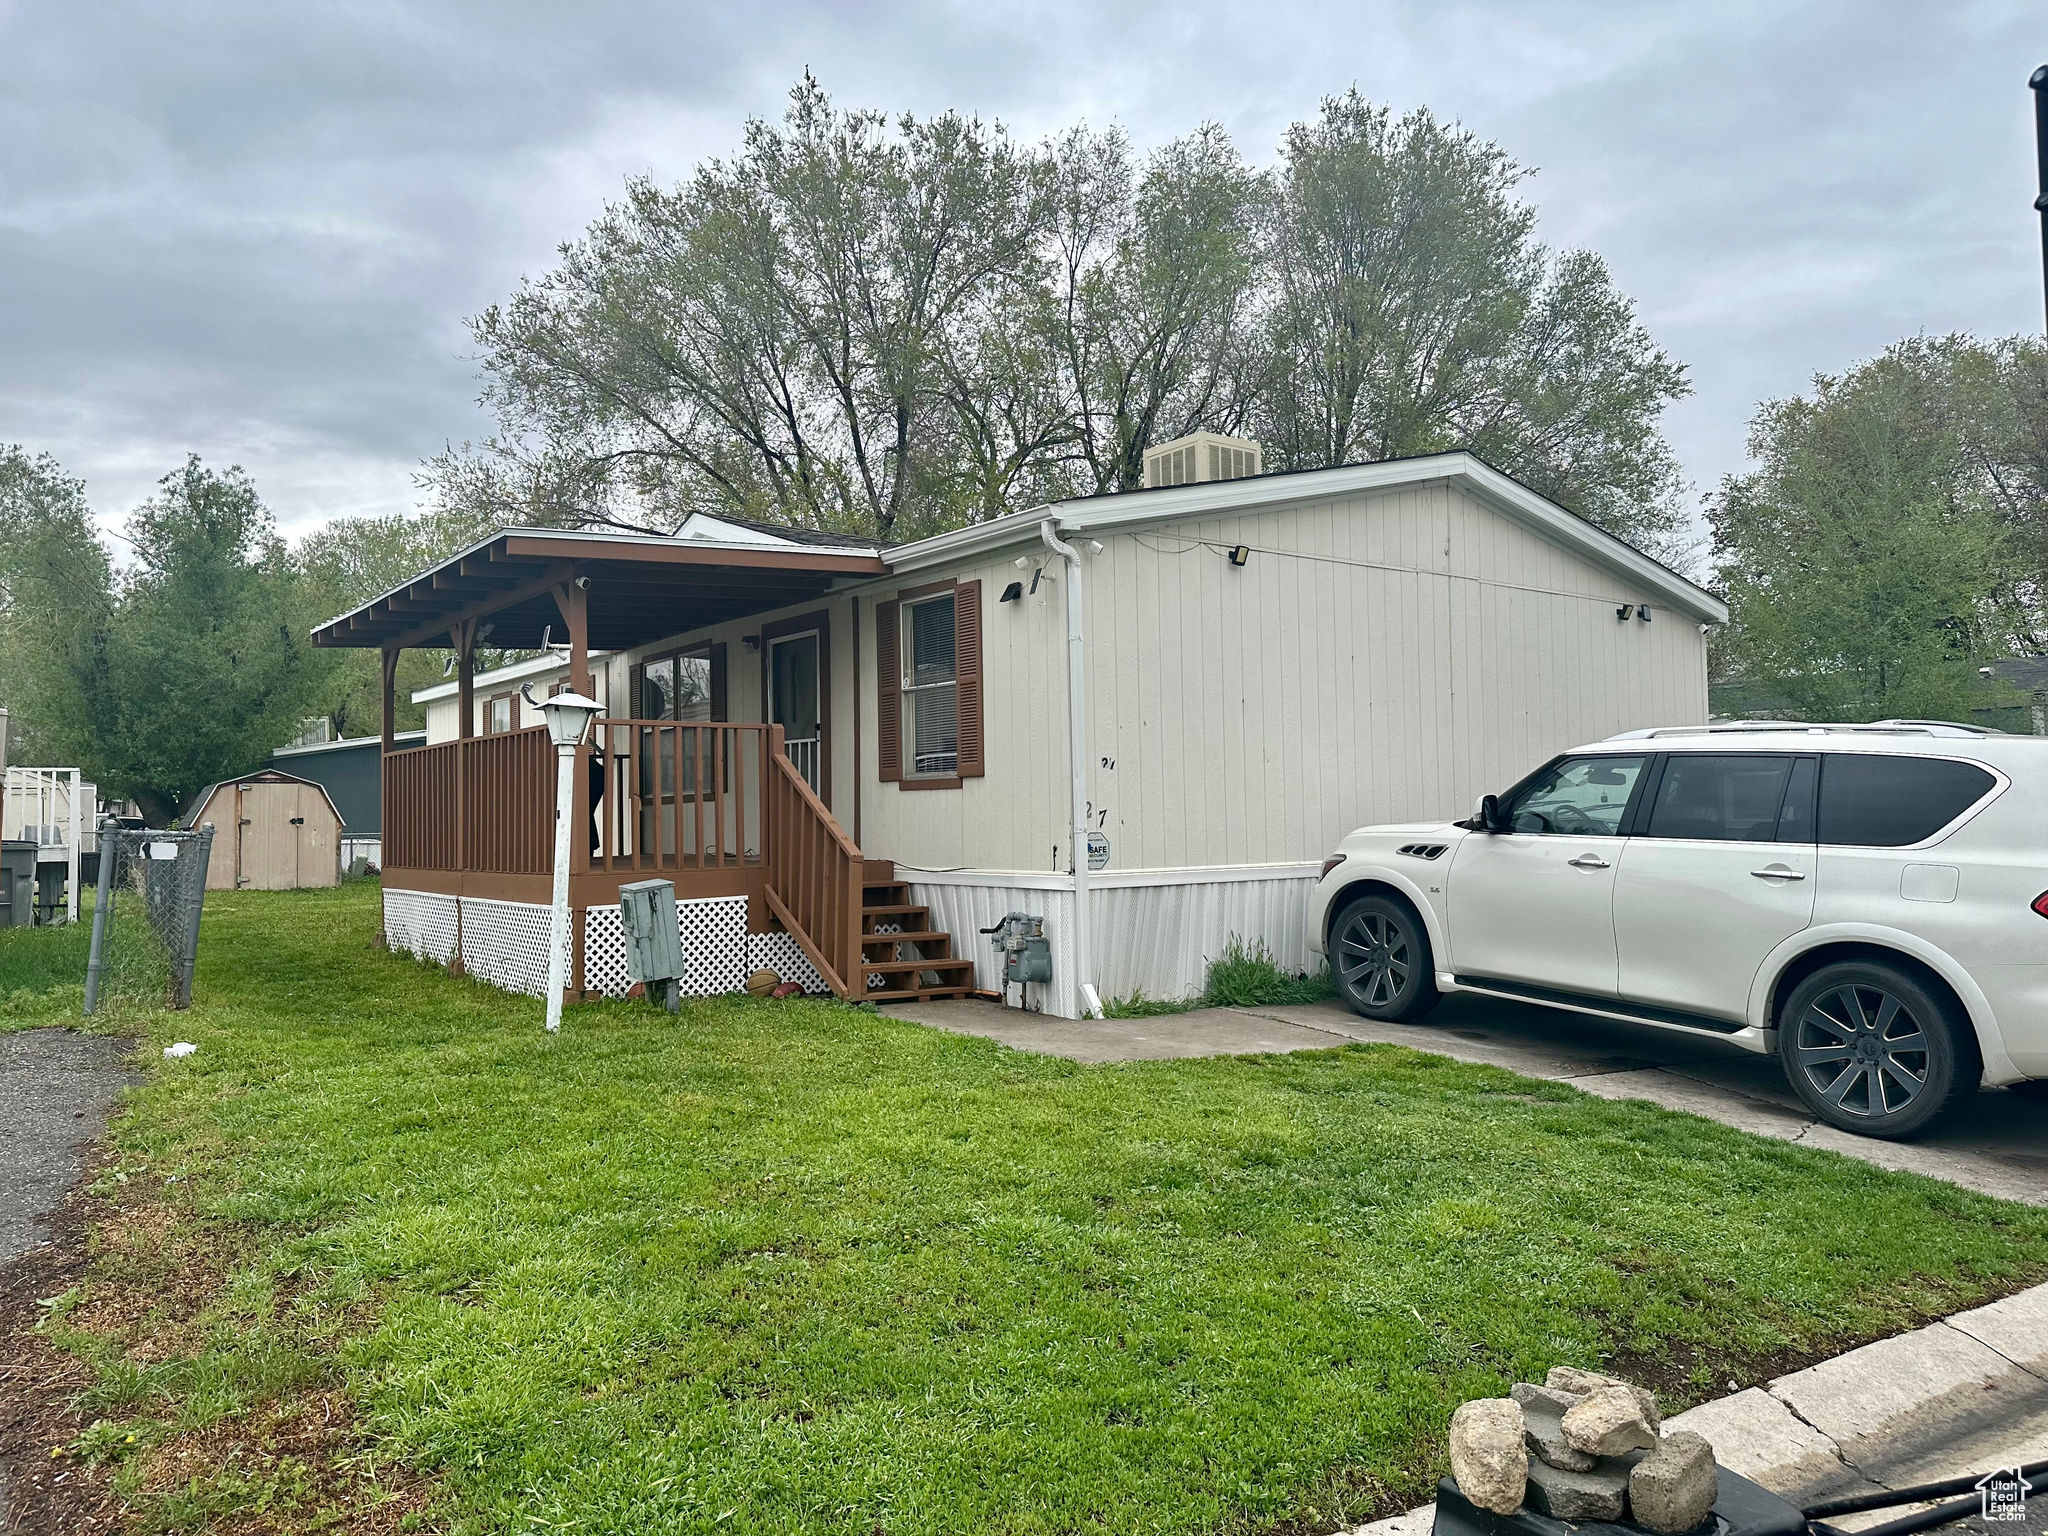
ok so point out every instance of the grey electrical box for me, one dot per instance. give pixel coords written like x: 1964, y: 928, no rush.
x: 1026, y: 951
x: 654, y: 946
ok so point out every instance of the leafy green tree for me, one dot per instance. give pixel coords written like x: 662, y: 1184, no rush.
x: 56, y: 593
x: 1154, y: 292
x: 205, y: 665
x: 1413, y: 311
x: 1869, y: 563
x: 896, y: 328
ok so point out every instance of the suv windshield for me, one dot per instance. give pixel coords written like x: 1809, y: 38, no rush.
x: 1579, y: 797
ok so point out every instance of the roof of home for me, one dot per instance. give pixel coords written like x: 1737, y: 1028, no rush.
x: 1217, y: 498
x: 350, y: 743
x: 261, y: 776
x: 510, y: 672
x: 643, y: 587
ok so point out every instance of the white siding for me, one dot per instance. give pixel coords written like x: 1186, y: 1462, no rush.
x: 1379, y: 658
x: 1015, y: 817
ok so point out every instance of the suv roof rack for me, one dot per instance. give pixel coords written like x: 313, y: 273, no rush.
x: 1948, y: 728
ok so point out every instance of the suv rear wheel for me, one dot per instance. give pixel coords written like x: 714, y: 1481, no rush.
x: 1872, y: 1049
x: 1379, y: 953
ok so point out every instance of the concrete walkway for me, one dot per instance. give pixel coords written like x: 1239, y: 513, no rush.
x: 1999, y: 1147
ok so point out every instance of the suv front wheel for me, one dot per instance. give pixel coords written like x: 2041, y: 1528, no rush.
x: 1379, y: 954
x: 1872, y: 1049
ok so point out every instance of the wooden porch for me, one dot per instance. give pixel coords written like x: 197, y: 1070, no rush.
x: 719, y: 809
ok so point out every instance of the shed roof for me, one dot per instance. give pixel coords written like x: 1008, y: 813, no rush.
x: 261, y: 776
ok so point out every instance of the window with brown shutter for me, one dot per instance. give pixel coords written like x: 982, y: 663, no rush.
x: 928, y: 658
x: 888, y: 693
x: 967, y: 677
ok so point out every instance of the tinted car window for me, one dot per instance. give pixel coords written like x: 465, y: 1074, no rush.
x: 1580, y: 797
x: 1867, y: 801
x: 1720, y: 799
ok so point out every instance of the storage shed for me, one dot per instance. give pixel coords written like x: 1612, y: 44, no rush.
x: 272, y: 832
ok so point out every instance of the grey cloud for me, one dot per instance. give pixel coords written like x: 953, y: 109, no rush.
x: 253, y: 231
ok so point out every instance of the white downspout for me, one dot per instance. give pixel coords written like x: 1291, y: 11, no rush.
x: 1077, y: 755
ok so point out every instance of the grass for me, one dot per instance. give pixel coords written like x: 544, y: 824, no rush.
x: 42, y: 972
x: 1245, y: 976
x: 790, y: 1267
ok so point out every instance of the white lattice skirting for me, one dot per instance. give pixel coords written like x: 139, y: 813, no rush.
x: 714, y: 935
x: 419, y: 923
x: 506, y: 943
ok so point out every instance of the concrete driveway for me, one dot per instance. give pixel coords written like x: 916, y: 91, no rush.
x: 1999, y: 1147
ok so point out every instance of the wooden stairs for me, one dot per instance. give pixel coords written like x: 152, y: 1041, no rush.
x: 905, y: 958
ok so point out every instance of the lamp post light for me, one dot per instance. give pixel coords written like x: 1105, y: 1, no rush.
x: 568, y: 716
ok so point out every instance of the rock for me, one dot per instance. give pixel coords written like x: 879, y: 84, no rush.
x: 1610, y: 1420
x: 1600, y: 1493
x: 1569, y: 1378
x: 1672, y: 1490
x: 1546, y: 1399
x: 1488, y: 1457
x: 1543, y: 1432
x: 1577, y: 1383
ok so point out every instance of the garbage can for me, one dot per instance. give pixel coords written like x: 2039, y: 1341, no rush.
x: 18, y: 882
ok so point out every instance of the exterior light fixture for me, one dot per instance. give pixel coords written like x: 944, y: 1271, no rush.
x: 1643, y: 612
x: 1022, y: 562
x: 1093, y: 546
x: 1625, y: 612
x: 1240, y: 555
x: 568, y: 716
x: 751, y: 642
x: 1014, y: 592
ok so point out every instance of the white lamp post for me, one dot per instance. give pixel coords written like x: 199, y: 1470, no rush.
x: 568, y: 716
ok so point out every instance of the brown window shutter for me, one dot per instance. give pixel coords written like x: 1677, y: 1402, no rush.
x: 719, y: 697
x: 967, y: 676
x: 888, y: 693
x: 636, y: 692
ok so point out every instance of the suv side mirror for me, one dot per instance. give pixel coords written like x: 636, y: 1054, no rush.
x: 1486, y: 816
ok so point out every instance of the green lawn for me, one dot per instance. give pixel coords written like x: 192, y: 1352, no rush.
x: 794, y: 1267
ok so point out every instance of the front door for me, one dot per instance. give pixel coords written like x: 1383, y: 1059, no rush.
x: 796, y: 703
x: 1720, y: 872
x: 1535, y: 905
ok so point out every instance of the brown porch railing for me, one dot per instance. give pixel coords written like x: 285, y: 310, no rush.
x: 485, y: 805
x: 677, y: 796
x: 815, y: 875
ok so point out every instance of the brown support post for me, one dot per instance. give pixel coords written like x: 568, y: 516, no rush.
x: 390, y: 700
x: 464, y: 636
x: 573, y: 601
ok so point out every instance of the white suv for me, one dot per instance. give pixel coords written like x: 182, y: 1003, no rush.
x: 1867, y: 901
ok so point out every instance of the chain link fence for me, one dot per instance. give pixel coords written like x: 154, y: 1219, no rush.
x: 145, y: 918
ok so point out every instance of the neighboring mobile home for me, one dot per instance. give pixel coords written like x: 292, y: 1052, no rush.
x: 822, y: 740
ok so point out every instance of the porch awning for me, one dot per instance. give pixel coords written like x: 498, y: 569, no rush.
x: 641, y: 587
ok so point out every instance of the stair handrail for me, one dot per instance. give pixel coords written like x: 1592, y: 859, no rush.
x: 814, y: 874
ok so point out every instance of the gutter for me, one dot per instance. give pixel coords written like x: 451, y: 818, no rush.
x: 1077, y: 759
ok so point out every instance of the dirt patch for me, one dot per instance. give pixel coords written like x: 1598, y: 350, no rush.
x: 47, y: 1493
x: 139, y: 1277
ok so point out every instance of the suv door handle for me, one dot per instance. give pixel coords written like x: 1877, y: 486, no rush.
x: 1588, y: 861
x: 1777, y: 872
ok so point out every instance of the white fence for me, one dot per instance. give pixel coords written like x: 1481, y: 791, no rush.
x: 57, y: 810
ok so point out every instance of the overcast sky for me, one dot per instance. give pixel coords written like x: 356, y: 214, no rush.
x: 253, y: 231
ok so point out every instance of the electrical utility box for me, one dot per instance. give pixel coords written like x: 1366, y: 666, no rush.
x: 654, y: 946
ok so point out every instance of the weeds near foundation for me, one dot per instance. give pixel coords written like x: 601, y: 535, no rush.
x: 1246, y: 976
